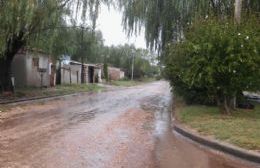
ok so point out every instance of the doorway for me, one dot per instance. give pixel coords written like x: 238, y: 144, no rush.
x: 91, y: 74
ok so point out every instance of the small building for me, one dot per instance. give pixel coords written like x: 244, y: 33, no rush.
x: 94, y: 73
x: 71, y: 73
x: 33, y: 68
x: 115, y: 73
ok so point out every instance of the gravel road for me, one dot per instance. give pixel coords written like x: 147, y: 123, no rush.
x: 126, y: 127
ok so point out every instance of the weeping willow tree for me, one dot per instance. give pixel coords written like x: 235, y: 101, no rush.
x: 24, y: 21
x: 214, y: 26
x: 165, y: 20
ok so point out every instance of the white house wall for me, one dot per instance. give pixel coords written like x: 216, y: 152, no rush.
x: 33, y: 75
x: 26, y: 74
x: 71, y: 74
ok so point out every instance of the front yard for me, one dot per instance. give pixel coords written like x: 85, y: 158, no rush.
x: 242, y: 128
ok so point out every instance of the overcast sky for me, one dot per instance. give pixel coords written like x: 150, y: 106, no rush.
x: 109, y: 22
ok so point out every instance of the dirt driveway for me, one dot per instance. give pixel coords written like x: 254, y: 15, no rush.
x: 127, y: 128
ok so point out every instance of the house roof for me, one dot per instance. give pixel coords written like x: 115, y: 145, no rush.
x: 79, y: 63
x: 75, y: 62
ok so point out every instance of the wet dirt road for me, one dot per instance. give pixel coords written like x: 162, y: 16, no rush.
x: 126, y: 127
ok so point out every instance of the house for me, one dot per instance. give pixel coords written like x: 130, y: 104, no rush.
x: 31, y: 67
x: 70, y: 72
x: 115, y: 73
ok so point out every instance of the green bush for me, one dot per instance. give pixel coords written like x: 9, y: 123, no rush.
x: 217, y: 61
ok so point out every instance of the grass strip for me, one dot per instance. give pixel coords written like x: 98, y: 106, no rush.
x: 242, y: 128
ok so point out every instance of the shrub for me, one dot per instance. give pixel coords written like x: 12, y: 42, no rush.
x: 217, y: 61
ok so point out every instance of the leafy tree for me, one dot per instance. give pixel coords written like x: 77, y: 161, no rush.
x: 201, y: 61
x: 166, y: 20
x: 122, y: 57
x: 218, y: 59
x: 22, y: 20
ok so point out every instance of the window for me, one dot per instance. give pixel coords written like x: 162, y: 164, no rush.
x: 35, y: 62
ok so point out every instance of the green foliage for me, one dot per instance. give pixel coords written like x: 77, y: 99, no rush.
x: 106, y: 72
x: 39, y: 23
x: 212, y: 62
x: 86, y: 44
x: 54, y: 27
x: 165, y: 20
x: 122, y: 57
x: 22, y: 18
x: 218, y: 59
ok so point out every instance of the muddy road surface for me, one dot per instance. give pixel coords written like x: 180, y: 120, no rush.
x: 126, y: 127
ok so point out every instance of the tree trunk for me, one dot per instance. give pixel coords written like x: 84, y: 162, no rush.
x: 83, y: 72
x: 14, y: 44
x: 238, y: 9
x: 6, y: 82
x: 226, y: 105
x: 233, y: 103
x: 58, y: 76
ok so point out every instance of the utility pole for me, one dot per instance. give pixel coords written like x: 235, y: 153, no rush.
x: 82, y: 57
x: 133, y: 62
x: 238, y: 9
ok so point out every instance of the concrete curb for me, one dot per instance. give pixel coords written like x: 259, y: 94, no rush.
x: 217, y: 145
